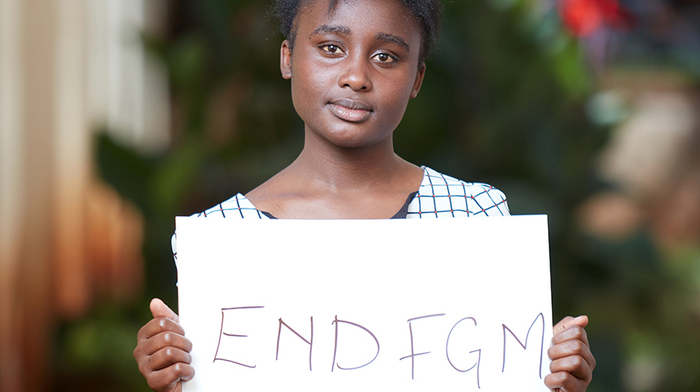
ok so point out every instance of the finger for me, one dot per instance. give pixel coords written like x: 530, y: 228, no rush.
x: 568, y: 321
x: 565, y: 382
x: 574, y: 365
x: 166, y: 357
x: 157, y: 326
x: 164, y: 340
x: 573, y: 332
x: 167, y: 379
x: 160, y: 309
x: 571, y: 348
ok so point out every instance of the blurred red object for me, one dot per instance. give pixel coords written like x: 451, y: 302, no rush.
x: 584, y: 17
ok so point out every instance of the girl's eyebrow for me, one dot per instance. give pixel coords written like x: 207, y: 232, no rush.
x: 325, y: 29
x: 344, y: 30
x: 394, y: 39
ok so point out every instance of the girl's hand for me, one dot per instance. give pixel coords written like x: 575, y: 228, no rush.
x: 572, y: 361
x: 163, y: 351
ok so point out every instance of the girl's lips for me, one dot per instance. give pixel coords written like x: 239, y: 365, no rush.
x: 350, y: 110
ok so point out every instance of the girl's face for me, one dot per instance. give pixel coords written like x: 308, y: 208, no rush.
x: 353, y: 69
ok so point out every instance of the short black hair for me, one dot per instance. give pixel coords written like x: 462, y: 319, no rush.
x: 426, y: 12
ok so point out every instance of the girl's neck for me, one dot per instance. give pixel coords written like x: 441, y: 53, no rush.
x: 344, y: 168
x: 327, y: 181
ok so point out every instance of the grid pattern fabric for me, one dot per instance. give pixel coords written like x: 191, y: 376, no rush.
x: 442, y: 196
x: 236, y: 207
x: 439, y: 196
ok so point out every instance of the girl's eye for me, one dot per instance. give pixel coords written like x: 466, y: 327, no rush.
x: 331, y: 48
x: 384, y: 58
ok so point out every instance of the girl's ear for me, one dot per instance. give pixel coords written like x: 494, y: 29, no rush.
x: 419, y: 80
x: 286, y: 60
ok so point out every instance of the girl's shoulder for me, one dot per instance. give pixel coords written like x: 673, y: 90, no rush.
x: 237, y: 207
x: 439, y: 196
x: 443, y: 196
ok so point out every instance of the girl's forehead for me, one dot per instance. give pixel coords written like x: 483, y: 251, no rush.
x: 360, y: 13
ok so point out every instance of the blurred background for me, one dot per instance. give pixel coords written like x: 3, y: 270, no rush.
x: 117, y: 115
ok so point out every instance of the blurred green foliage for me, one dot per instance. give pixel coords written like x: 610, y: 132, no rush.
x: 95, y: 352
x: 503, y: 102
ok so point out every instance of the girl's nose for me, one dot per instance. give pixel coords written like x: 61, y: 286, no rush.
x: 356, y: 76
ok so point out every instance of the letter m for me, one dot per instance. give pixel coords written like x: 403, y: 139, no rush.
x: 524, y: 345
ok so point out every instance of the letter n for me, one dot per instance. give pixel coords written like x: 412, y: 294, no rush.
x: 310, y: 342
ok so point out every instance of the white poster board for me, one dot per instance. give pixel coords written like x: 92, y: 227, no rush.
x: 355, y: 305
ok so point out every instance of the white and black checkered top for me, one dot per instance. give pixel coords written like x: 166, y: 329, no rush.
x: 439, y: 196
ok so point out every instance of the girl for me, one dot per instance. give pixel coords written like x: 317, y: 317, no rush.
x: 353, y: 66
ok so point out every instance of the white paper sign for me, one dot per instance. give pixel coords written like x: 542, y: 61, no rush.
x: 355, y: 305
